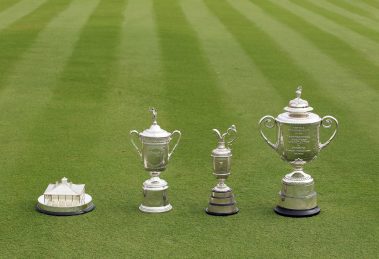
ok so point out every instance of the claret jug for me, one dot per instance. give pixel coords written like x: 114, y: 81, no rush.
x: 222, y: 202
x: 298, y: 142
x: 155, y: 154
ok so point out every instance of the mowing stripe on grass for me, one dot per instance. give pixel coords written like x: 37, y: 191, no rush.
x: 332, y: 42
x: 188, y: 77
x: 134, y: 87
x: 369, y: 6
x: 362, y: 29
x: 245, y: 83
x: 5, y: 4
x: 192, y: 98
x: 17, y: 11
x: 282, y: 73
x: 17, y: 38
x: 349, y: 6
x: 336, y: 83
x: 323, y: 4
x: 74, y: 113
x: 29, y: 85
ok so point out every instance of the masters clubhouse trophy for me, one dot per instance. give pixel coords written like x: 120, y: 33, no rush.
x: 222, y: 202
x: 298, y: 142
x: 155, y: 155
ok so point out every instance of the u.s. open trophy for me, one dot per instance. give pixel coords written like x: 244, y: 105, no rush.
x: 155, y: 155
x: 222, y: 202
x: 298, y: 142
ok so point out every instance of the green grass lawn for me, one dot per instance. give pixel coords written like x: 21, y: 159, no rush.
x: 77, y: 75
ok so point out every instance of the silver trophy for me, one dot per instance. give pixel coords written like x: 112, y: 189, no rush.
x: 155, y: 154
x: 222, y: 202
x: 298, y: 142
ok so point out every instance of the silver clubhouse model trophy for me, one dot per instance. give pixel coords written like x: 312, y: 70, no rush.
x: 64, y: 198
x: 298, y: 142
x: 222, y: 202
x: 155, y: 155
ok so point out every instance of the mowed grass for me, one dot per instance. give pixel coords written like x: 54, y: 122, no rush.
x: 77, y: 75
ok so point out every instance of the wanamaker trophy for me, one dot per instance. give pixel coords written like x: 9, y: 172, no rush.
x: 222, y: 202
x: 155, y: 154
x: 298, y: 142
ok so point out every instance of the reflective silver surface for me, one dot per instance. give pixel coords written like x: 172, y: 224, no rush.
x: 298, y: 142
x: 155, y: 154
x: 222, y: 202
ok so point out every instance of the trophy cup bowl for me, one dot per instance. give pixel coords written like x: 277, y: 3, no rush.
x: 297, y: 142
x: 222, y: 202
x: 155, y: 154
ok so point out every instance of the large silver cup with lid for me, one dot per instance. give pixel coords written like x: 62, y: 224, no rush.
x: 298, y: 142
x: 222, y: 202
x: 155, y: 153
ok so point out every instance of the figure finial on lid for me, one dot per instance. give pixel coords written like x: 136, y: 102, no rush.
x: 298, y: 91
x: 154, y: 113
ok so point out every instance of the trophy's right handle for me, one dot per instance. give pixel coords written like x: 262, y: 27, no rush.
x: 269, y: 122
x: 135, y: 133
x: 327, y: 122
x: 177, y: 142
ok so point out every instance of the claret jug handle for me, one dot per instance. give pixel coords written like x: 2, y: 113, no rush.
x: 177, y: 142
x: 269, y: 122
x: 327, y: 122
x: 135, y: 133
x: 231, y: 131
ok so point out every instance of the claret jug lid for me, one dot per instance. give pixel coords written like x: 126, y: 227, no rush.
x: 298, y: 111
x: 223, y: 149
x: 155, y: 131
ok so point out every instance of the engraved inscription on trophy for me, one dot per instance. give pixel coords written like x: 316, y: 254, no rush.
x: 298, y: 140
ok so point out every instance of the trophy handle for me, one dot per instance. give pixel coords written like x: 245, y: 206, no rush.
x: 232, y: 131
x: 327, y: 122
x: 269, y: 122
x: 177, y: 142
x: 134, y: 132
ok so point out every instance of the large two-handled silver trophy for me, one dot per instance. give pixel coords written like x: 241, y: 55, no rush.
x: 298, y: 142
x: 222, y: 202
x: 155, y: 154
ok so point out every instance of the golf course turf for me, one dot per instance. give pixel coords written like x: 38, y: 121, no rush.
x: 77, y: 75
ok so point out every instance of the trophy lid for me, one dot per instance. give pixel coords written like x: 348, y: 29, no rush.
x: 222, y: 149
x: 155, y: 131
x: 298, y: 105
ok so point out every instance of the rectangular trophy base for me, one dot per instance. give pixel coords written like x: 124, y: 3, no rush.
x: 222, y: 204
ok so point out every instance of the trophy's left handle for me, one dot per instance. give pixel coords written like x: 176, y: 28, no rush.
x: 327, y: 122
x: 268, y: 122
x: 177, y: 142
x: 135, y: 133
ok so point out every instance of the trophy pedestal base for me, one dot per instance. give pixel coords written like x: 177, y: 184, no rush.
x: 155, y: 209
x: 155, y: 198
x: 65, y: 211
x: 222, y: 203
x: 297, y: 213
x: 297, y: 197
